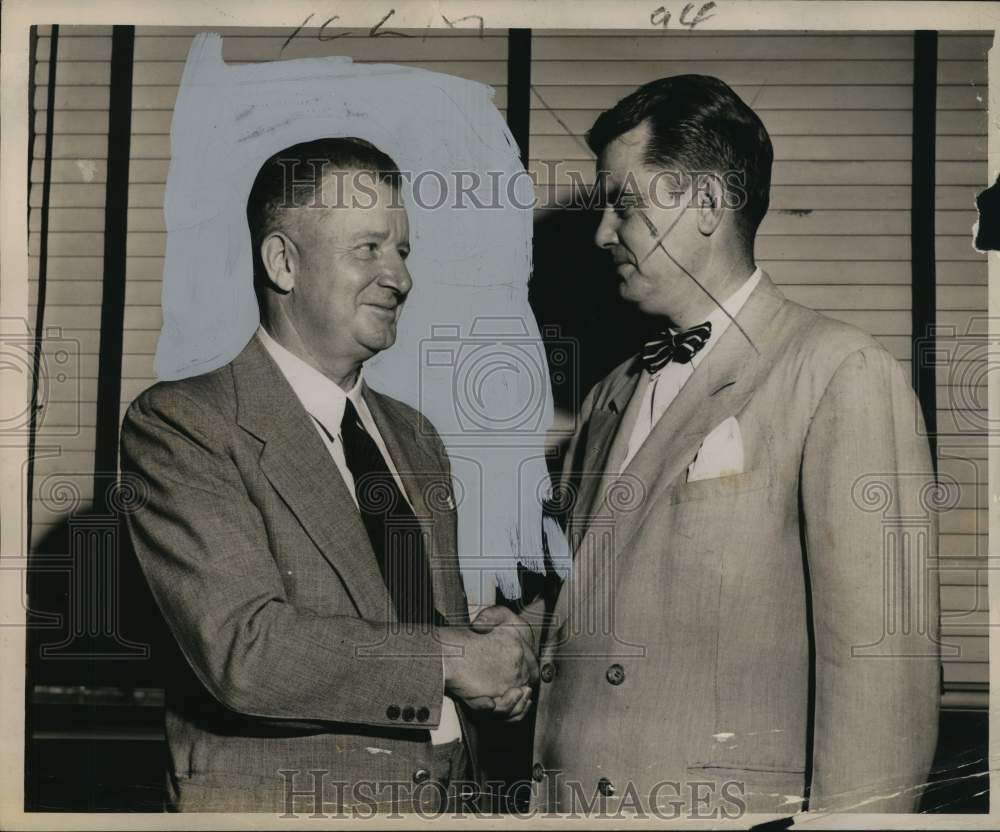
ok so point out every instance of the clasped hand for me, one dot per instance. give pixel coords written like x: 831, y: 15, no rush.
x: 492, y: 665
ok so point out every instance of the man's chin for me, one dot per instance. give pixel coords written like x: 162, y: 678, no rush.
x: 379, y: 341
x: 628, y: 294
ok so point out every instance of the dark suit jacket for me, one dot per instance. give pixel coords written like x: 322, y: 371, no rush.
x: 773, y: 629
x: 259, y: 561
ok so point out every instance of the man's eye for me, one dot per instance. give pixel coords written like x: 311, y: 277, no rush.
x: 369, y: 248
x: 623, y: 205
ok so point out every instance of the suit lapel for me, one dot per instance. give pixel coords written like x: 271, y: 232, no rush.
x: 720, y: 387
x: 298, y: 465
x: 603, y: 438
x: 602, y: 448
x: 420, y: 472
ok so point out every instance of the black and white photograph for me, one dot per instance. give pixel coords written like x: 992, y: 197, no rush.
x: 499, y: 413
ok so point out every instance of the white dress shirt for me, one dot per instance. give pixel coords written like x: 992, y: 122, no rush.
x: 325, y: 401
x: 660, y: 389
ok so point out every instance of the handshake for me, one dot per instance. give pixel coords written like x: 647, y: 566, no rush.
x: 492, y: 664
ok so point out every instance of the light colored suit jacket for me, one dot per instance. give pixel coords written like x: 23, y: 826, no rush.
x: 260, y: 563
x: 775, y: 629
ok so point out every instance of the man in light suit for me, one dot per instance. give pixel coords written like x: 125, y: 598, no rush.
x: 746, y: 623
x: 299, y: 535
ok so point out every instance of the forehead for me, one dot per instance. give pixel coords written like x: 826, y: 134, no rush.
x: 624, y: 156
x: 355, y: 202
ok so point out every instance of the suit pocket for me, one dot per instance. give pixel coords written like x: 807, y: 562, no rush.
x: 753, y: 480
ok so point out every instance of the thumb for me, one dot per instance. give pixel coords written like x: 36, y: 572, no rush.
x: 481, y: 703
x: 488, y: 619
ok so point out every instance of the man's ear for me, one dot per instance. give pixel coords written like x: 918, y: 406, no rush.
x: 710, y: 202
x: 280, y: 256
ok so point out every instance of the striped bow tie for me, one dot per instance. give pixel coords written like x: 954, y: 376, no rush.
x: 680, y: 347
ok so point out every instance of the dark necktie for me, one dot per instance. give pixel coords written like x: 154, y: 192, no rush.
x: 392, y: 527
x: 680, y: 347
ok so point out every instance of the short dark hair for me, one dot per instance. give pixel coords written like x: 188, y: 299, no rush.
x: 273, y: 191
x: 697, y: 123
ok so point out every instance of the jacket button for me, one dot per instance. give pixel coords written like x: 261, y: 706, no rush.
x: 421, y: 775
x: 392, y: 712
x: 423, y: 714
x: 408, y: 714
x: 605, y: 787
x: 548, y: 672
x: 615, y: 674
x: 538, y: 772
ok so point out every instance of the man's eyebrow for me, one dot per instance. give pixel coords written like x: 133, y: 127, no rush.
x: 621, y: 197
x: 363, y: 235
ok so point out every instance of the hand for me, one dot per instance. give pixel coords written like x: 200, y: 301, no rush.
x: 516, y: 702
x: 489, y: 670
x: 499, y: 616
x: 513, y: 705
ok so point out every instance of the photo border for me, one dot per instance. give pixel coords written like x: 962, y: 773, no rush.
x: 728, y: 16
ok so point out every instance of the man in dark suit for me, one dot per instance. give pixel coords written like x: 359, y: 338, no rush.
x: 751, y: 617
x: 299, y: 535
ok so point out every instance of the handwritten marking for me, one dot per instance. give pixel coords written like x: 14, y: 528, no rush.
x: 664, y: 19
x: 322, y: 29
x: 479, y: 17
x: 661, y: 16
x: 700, y: 17
x: 561, y: 123
x: 293, y: 34
x: 376, y: 31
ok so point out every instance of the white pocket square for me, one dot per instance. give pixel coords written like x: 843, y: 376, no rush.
x: 720, y: 454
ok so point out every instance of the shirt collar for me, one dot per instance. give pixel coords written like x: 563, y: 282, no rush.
x: 322, y: 398
x: 720, y: 321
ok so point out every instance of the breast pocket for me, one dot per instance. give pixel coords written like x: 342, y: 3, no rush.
x: 719, y: 487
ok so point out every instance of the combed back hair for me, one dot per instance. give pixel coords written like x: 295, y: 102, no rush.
x: 698, y: 124
x: 293, y: 178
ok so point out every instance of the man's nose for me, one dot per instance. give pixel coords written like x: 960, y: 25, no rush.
x: 397, y: 277
x: 607, y: 231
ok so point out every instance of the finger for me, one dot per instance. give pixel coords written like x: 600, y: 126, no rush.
x: 508, y: 700
x: 480, y: 703
x: 523, y: 693
x: 521, y: 708
x: 488, y: 619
